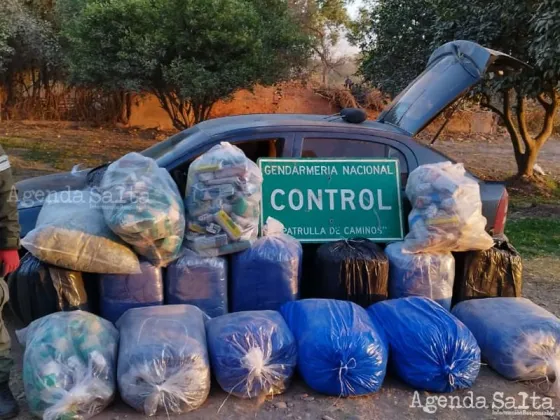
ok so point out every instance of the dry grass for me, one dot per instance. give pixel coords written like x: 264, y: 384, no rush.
x: 338, y: 97
x: 375, y: 100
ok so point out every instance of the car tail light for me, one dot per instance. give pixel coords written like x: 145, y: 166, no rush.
x: 501, y: 214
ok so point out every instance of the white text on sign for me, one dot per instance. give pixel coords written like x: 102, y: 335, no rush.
x: 316, y: 199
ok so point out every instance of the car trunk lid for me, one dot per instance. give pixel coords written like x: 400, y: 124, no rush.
x: 451, y: 71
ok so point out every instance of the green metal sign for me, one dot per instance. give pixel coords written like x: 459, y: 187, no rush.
x: 322, y: 200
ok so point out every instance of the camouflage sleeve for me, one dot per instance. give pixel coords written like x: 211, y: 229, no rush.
x: 9, y: 224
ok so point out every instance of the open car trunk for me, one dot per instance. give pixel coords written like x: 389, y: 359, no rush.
x: 452, y: 70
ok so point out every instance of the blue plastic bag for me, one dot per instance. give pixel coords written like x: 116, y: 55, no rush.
x: 121, y: 292
x: 267, y: 275
x: 163, y: 360
x: 430, y: 348
x: 422, y: 274
x: 253, y: 353
x: 198, y: 281
x: 341, y: 352
x: 519, y: 339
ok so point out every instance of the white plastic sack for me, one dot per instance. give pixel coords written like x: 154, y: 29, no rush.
x: 163, y: 361
x: 223, y: 198
x: 144, y: 207
x: 69, y: 365
x: 446, y: 210
x: 71, y: 233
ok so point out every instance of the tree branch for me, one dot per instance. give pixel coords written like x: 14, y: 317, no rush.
x: 486, y: 104
x: 542, y: 100
x: 513, y: 133
x: 550, y: 114
x: 522, y: 122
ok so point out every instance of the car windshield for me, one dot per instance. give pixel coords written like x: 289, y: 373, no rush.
x: 159, y: 149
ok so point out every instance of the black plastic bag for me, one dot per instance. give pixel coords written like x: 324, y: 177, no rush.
x: 496, y: 272
x: 355, y: 270
x: 37, y: 289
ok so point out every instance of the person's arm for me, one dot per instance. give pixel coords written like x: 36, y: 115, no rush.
x: 9, y: 224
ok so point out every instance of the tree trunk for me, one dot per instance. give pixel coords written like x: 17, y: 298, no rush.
x: 325, y: 77
x: 526, y: 146
x: 526, y: 163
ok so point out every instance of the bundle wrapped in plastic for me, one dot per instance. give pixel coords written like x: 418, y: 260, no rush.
x: 223, y: 198
x: 495, y: 272
x: 145, y: 207
x: 37, y: 289
x: 446, y: 210
x: 69, y: 365
x: 121, y: 292
x: 355, y: 270
x: 198, y: 281
x: 71, y: 232
x: 423, y: 274
x: 341, y: 351
x: 253, y: 353
x: 430, y: 348
x: 163, y: 361
x: 267, y: 275
x: 519, y: 339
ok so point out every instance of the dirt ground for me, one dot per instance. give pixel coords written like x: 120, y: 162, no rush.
x: 59, y: 146
x: 491, y: 156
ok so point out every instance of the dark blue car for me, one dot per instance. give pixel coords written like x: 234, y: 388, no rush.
x: 452, y: 70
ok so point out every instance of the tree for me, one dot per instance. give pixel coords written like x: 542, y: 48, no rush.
x: 528, y: 30
x: 395, y: 39
x: 324, y: 21
x: 30, y: 54
x: 188, y: 53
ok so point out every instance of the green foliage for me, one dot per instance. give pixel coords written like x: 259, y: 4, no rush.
x: 189, y: 53
x: 27, y: 42
x: 395, y: 38
x: 545, y: 45
x: 511, y: 26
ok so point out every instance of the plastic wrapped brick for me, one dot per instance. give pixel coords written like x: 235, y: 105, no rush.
x: 145, y: 207
x: 223, y: 196
x: 446, y: 210
x: 71, y: 233
x: 430, y: 348
x: 163, y: 361
x: 495, y: 272
x: 355, y: 270
x: 519, y: 339
x: 253, y: 353
x: 341, y: 352
x: 266, y: 275
x: 198, y: 281
x: 69, y: 365
x: 119, y: 293
x: 422, y: 274
x: 37, y: 289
